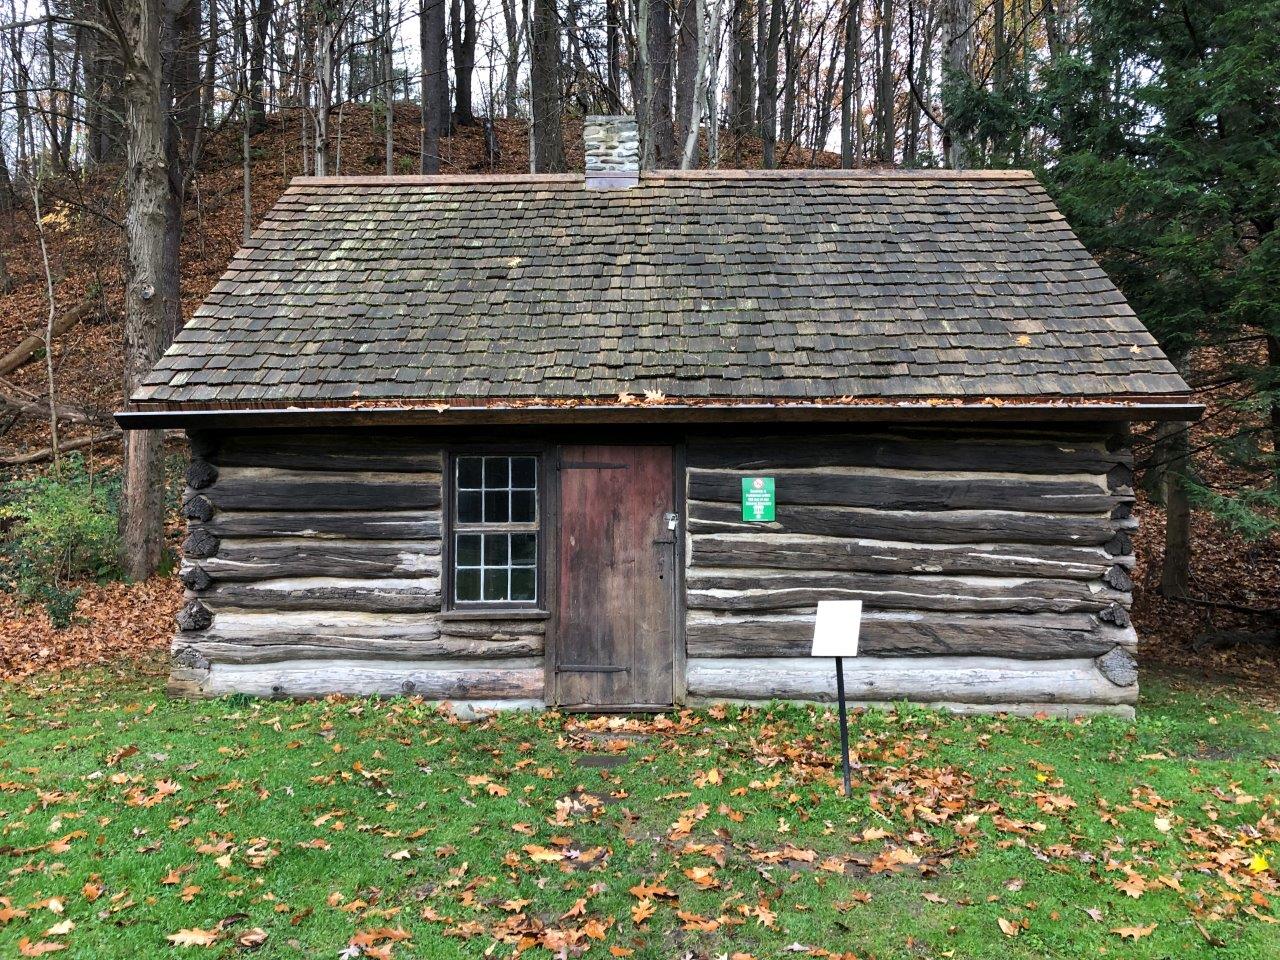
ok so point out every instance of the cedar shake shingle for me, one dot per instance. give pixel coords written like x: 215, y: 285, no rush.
x: 802, y: 286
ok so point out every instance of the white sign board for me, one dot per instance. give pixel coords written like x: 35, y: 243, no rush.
x: 835, y: 631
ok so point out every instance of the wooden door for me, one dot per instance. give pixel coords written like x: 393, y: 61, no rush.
x: 615, y: 598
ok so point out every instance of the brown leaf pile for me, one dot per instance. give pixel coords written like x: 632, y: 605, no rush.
x: 113, y: 622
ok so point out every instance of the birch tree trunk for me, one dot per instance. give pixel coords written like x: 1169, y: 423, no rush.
x: 708, y: 34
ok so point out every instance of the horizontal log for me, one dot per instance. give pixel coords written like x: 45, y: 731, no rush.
x: 246, y: 637
x: 953, y: 526
x: 1043, y: 637
x: 513, y: 679
x: 217, y: 647
x: 847, y: 487
x: 268, y: 488
x: 1065, y: 711
x: 754, y: 590
x: 809, y: 552
x: 353, y: 450
x: 932, y: 452
x: 495, y: 629
x: 975, y: 680
x: 263, y: 559
x: 359, y: 525
x: 389, y: 595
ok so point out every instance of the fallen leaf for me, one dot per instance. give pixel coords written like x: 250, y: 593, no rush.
x: 39, y: 949
x: 193, y: 937
x: 1135, y: 933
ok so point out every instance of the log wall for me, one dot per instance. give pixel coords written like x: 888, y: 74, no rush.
x: 313, y: 565
x: 993, y: 568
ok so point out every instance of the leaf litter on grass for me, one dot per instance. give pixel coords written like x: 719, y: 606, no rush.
x: 387, y: 828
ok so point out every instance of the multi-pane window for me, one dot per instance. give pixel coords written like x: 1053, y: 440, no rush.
x: 495, y: 524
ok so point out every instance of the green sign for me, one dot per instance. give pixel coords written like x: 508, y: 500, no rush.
x: 757, y: 499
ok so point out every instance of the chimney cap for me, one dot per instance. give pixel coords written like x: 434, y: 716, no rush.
x: 612, y: 147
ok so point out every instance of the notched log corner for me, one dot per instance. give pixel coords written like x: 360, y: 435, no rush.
x: 191, y: 658
x: 1119, y: 667
x: 196, y: 578
x: 194, y: 615
x: 201, y: 474
x: 1121, y: 545
x: 1115, y: 614
x: 197, y: 507
x: 1118, y: 579
x: 200, y: 544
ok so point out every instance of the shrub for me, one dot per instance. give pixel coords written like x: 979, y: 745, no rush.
x: 56, y: 531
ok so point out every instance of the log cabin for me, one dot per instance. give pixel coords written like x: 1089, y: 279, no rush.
x: 486, y: 440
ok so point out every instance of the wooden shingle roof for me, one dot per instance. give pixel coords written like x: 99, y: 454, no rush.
x: 740, y: 286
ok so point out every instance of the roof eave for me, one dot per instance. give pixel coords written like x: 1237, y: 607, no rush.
x: 139, y: 417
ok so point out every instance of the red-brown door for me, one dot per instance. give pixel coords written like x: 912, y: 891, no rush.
x: 615, y: 598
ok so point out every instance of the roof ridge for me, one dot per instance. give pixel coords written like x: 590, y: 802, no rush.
x: 576, y: 179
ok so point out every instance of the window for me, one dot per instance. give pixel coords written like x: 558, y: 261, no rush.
x: 495, y: 530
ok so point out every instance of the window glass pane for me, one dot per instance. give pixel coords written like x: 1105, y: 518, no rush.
x: 469, y: 506
x: 496, y: 506
x: 522, y: 583
x: 524, y: 472
x: 469, y: 471
x: 495, y: 565
x: 495, y: 471
x: 524, y: 548
x: 468, y: 554
x: 522, y: 506
x: 495, y: 549
x: 466, y: 585
x: 495, y: 584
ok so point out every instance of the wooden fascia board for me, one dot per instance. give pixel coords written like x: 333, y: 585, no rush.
x: 143, y: 418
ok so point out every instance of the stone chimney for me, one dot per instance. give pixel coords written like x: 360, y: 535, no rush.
x: 613, y: 152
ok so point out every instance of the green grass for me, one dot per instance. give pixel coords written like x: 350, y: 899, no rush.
x: 425, y: 822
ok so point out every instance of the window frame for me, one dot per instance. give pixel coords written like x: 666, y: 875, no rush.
x: 450, y: 529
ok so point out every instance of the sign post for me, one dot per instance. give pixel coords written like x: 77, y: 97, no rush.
x: 835, y: 634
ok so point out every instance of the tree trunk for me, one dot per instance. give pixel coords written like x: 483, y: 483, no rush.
x: 263, y: 11
x: 548, y: 133
x: 463, y: 26
x: 959, y: 14
x: 660, y: 126
x: 769, y: 86
x: 613, y: 52
x: 180, y: 34
x: 852, y: 53
x: 511, y: 84
x: 1175, y: 571
x: 742, y: 78
x: 431, y: 32
x: 208, y: 85
x: 147, y: 187
x: 688, y: 35
x: 885, y: 85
